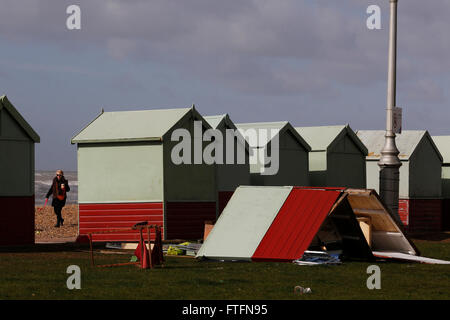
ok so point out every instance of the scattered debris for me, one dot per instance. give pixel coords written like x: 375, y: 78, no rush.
x: 301, y: 290
x: 185, y: 248
x: 408, y: 258
x: 114, y: 245
x: 311, y: 258
x: 209, y: 225
x: 172, y: 251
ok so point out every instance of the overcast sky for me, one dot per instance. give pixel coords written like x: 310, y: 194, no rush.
x: 310, y: 62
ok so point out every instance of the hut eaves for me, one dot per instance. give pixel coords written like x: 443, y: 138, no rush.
x: 127, y: 126
x: 282, y: 126
x: 406, y: 142
x: 322, y: 138
x: 443, y: 144
x: 5, y: 103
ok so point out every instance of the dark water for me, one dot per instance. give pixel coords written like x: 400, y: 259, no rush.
x: 43, y: 181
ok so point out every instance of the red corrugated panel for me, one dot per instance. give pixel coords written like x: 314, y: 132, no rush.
x: 104, y: 217
x: 296, y: 224
x: 224, y: 197
x: 186, y: 220
x: 16, y: 220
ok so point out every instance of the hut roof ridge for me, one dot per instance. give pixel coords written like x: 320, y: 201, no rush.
x: 132, y: 125
x: 406, y: 142
x: 5, y: 103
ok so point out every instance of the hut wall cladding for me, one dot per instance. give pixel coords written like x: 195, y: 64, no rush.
x: 17, y: 220
x: 224, y: 197
x: 446, y: 215
x: 104, y: 217
x: 421, y: 215
x: 186, y: 220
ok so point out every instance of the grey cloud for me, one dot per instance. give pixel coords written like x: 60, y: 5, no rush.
x: 424, y: 90
x: 265, y: 47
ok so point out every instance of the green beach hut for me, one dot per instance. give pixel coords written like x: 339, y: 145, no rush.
x: 420, y: 189
x: 235, y: 172
x: 443, y: 144
x: 17, y: 139
x: 267, y: 168
x: 127, y: 174
x: 337, y: 157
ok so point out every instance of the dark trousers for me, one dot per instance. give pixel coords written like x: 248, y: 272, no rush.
x: 58, y: 210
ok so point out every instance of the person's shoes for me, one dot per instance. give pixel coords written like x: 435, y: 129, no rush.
x: 57, y: 225
x: 62, y: 222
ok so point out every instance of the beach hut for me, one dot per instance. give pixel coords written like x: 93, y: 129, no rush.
x: 234, y: 169
x: 443, y: 144
x: 17, y: 139
x: 131, y: 168
x: 279, y: 155
x: 420, y: 191
x: 263, y: 223
x: 337, y: 157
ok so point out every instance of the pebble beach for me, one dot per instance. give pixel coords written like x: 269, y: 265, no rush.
x: 45, y: 218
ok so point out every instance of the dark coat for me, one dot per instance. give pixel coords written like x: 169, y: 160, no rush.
x: 55, y: 189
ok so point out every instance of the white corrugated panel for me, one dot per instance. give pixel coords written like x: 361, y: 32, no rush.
x: 244, y: 222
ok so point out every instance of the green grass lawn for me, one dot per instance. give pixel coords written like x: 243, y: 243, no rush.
x: 42, y: 275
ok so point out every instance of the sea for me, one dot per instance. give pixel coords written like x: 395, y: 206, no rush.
x: 43, y: 181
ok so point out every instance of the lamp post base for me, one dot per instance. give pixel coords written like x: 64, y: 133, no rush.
x: 389, y: 189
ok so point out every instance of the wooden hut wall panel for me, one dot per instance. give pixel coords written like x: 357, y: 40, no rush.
x: 188, y: 181
x: 120, y: 172
x: 293, y: 163
x: 186, y: 220
x: 346, y: 165
x: 104, y: 217
x: 425, y: 215
x: 421, y: 215
x: 17, y: 220
x: 224, y: 197
x: 446, y: 214
x: 425, y: 170
x: 16, y: 168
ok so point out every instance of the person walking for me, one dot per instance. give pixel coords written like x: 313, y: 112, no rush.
x: 58, y: 190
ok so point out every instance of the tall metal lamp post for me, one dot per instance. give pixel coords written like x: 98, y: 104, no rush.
x: 389, y: 162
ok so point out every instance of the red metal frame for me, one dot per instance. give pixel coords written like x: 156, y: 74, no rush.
x: 157, y: 249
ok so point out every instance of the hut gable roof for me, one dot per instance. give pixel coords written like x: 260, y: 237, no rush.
x: 224, y: 121
x: 141, y: 125
x: 443, y: 144
x: 219, y: 120
x: 322, y: 138
x: 407, y: 142
x: 282, y: 126
x: 7, y: 105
